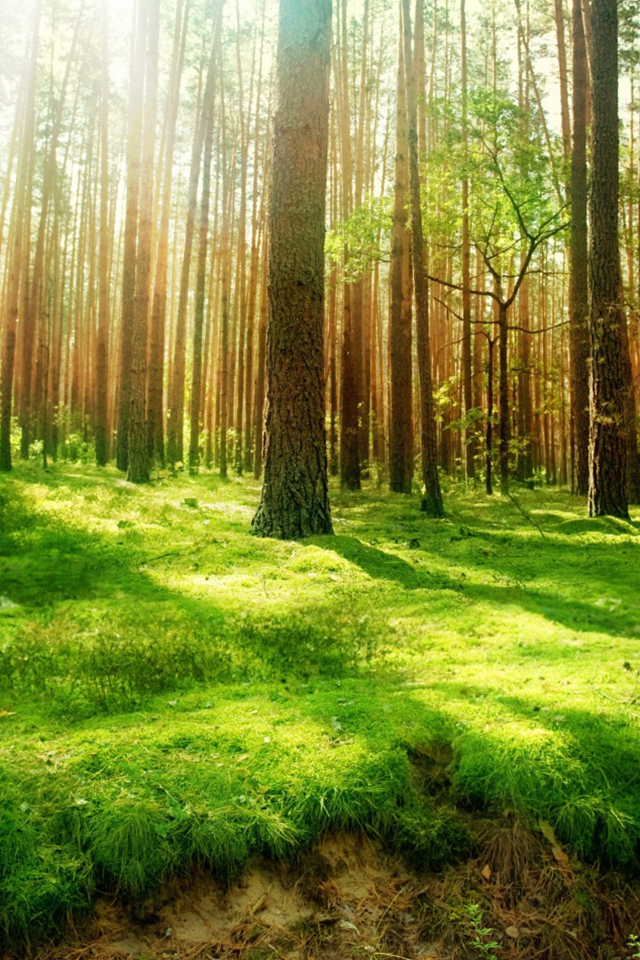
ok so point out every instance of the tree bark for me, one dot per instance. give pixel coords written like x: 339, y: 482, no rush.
x: 134, y: 147
x: 102, y: 343
x: 432, y: 500
x: 138, y: 464
x: 155, y: 386
x: 608, y: 493
x: 401, y: 415
x: 578, y: 280
x: 295, y: 498
x: 196, y: 371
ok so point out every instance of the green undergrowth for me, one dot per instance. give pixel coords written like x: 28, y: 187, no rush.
x: 175, y: 692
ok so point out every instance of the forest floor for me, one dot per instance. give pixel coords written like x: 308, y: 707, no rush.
x: 416, y: 738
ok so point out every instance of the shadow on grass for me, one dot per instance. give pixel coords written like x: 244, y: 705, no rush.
x: 376, y: 563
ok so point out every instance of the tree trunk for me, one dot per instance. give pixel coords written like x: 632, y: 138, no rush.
x: 102, y: 344
x: 295, y: 498
x: 401, y: 415
x: 155, y: 386
x: 578, y: 281
x: 138, y: 464
x: 467, y: 378
x: 432, y: 501
x: 503, y: 400
x: 196, y: 371
x: 349, y: 356
x: 175, y: 427
x: 608, y: 439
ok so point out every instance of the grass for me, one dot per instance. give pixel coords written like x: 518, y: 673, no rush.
x: 175, y: 692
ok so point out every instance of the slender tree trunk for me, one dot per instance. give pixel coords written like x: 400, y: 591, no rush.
x: 489, y: 436
x: 467, y: 378
x: 134, y: 147
x: 503, y: 399
x: 138, y: 460
x: 579, y: 290
x: 350, y: 477
x: 17, y: 254
x: 401, y: 443
x: 175, y: 427
x: 155, y: 386
x: 258, y: 397
x: 102, y: 345
x: 196, y: 372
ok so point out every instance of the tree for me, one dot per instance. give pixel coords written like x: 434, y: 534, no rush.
x: 138, y: 464
x: 432, y: 500
x: 17, y: 256
x: 102, y: 341
x: 608, y: 492
x: 294, y: 500
x: 579, y: 296
x: 401, y: 443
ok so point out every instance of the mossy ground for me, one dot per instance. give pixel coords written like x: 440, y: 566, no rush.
x: 175, y: 692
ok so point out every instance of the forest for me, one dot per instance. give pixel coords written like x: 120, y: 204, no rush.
x: 320, y: 479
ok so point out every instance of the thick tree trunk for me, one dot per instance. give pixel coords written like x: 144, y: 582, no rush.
x: 295, y: 498
x: 432, y: 501
x: 608, y: 439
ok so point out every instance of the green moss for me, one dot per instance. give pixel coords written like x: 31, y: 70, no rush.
x: 174, y: 691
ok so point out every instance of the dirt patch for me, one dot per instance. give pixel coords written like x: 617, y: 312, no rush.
x: 349, y: 898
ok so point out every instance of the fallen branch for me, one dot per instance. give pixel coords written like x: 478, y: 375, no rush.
x: 528, y: 517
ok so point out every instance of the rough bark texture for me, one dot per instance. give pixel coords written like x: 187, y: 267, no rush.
x: 578, y: 289
x: 295, y: 501
x: 432, y: 501
x: 608, y: 438
x: 401, y: 419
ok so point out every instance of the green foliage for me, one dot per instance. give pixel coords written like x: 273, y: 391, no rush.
x: 365, y: 234
x: 480, y: 937
x: 634, y: 944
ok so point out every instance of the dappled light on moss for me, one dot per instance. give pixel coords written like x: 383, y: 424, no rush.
x: 175, y: 692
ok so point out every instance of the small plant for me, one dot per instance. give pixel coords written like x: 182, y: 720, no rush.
x: 634, y: 944
x: 481, y: 937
